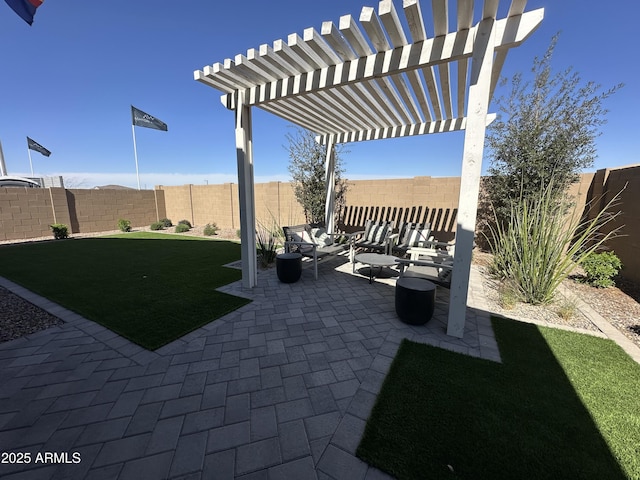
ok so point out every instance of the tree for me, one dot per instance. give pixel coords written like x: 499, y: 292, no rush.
x: 546, y: 129
x: 307, y: 167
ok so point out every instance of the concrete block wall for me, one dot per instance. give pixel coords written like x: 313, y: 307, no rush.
x: 202, y: 204
x: 27, y: 213
x: 418, y: 199
x: 626, y: 181
x: 100, y: 210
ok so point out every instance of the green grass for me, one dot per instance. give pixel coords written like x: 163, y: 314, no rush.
x: 150, y: 288
x: 561, y: 406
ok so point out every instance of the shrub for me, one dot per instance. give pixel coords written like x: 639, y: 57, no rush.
x: 210, y: 229
x: 182, y: 227
x: 185, y: 222
x: 601, y: 268
x: 566, y: 309
x: 266, y: 245
x: 60, y: 231
x: 538, y: 247
x: 166, y: 223
x: 239, y: 233
x: 124, y: 225
x: 507, y: 296
x: 157, y: 226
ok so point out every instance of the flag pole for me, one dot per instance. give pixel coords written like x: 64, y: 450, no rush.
x: 135, y: 153
x: 30, y: 162
x: 3, y: 166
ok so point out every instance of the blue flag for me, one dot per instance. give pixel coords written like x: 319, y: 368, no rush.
x: 25, y: 8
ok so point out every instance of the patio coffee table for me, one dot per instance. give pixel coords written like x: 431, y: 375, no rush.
x: 374, y: 260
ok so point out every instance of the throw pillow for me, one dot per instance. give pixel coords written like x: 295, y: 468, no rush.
x: 371, y: 232
x: 320, y: 237
x: 369, y: 229
x: 381, y: 233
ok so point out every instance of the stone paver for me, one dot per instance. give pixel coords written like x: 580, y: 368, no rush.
x: 278, y: 389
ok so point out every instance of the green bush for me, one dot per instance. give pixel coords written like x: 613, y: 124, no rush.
x: 124, y: 225
x: 185, y: 222
x: 60, y: 231
x: 157, y: 226
x: 166, y: 223
x: 210, y: 229
x: 601, y: 268
x: 239, y: 233
x: 182, y: 227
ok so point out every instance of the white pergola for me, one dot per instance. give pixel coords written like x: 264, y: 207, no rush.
x: 382, y: 79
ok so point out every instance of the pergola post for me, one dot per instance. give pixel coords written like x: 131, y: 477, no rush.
x: 330, y: 179
x: 479, y: 95
x: 244, y: 152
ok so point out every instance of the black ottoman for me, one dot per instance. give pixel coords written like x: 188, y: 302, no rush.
x: 289, y: 267
x: 415, y: 300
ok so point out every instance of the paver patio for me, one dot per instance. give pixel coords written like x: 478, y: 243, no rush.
x: 278, y: 389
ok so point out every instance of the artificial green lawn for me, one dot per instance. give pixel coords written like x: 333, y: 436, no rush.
x: 561, y: 406
x: 148, y: 287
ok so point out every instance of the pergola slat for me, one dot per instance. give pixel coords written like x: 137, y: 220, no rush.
x: 269, y: 56
x: 391, y: 21
x: 336, y: 40
x: 286, y: 53
x: 305, y: 52
x: 321, y: 48
x: 254, y: 58
x: 206, y: 77
x: 454, y: 46
x: 441, y: 28
x: 350, y: 86
x: 236, y: 75
x: 373, y: 88
x: 252, y: 71
x: 353, y: 35
x: 515, y: 9
x: 490, y: 9
x: 438, y: 126
x: 372, y: 26
x: 465, y: 20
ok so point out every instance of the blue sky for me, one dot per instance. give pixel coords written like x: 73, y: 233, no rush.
x: 69, y: 80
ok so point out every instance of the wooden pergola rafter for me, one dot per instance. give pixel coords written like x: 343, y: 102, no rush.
x: 383, y: 79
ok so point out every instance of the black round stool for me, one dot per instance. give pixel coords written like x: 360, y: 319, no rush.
x: 415, y: 300
x: 289, y: 267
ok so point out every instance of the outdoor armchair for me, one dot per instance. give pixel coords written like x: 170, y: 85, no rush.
x: 410, y: 235
x: 314, y: 243
x: 375, y: 237
x: 438, y: 273
x: 438, y: 252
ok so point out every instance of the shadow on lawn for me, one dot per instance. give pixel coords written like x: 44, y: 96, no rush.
x: 151, y: 289
x: 445, y: 415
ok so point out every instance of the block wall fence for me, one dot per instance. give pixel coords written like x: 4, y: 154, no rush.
x: 27, y: 213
